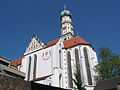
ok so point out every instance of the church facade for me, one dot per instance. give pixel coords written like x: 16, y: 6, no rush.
x: 57, y: 62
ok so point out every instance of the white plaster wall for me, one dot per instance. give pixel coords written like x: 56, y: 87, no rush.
x: 55, y: 67
x: 58, y: 70
x: 64, y: 70
x: 89, y: 87
x: 43, y: 66
x: 52, y: 65
x: 24, y: 66
x: 92, y: 60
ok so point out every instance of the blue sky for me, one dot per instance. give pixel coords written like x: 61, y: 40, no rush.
x: 97, y: 21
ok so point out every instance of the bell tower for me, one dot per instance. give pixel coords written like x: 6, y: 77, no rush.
x: 66, y: 24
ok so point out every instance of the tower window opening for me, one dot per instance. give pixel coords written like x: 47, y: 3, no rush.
x: 65, y: 39
x: 64, y: 28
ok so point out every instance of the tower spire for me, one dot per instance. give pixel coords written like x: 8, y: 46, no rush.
x: 65, y: 7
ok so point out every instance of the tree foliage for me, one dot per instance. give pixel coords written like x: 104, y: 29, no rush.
x: 109, y: 66
x: 78, y: 82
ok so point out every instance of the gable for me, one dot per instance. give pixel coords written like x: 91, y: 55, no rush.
x: 35, y: 44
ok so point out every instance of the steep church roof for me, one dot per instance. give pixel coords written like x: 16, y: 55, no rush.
x: 53, y: 42
x: 74, y: 41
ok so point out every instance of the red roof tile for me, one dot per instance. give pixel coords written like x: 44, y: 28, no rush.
x: 53, y: 42
x: 17, y: 61
x: 74, y: 41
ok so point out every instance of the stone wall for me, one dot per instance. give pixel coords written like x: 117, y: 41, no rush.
x: 10, y: 83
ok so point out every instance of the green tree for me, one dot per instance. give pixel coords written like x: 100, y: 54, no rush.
x: 78, y: 82
x: 109, y: 66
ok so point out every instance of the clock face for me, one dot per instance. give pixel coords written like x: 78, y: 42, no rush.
x: 46, y: 55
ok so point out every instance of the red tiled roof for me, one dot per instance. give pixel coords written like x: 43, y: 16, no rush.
x: 74, y: 41
x: 53, y: 42
x: 17, y: 61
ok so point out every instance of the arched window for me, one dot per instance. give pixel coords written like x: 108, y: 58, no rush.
x: 77, y: 64
x: 87, y: 66
x: 34, y: 69
x: 29, y: 68
x: 60, y: 81
x: 61, y: 63
x: 69, y: 70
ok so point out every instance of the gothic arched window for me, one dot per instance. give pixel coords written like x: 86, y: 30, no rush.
x: 34, y: 69
x: 77, y: 63
x: 87, y: 66
x: 60, y: 59
x: 69, y: 70
x: 60, y: 81
x: 29, y: 68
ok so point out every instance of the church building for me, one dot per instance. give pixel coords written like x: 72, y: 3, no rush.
x: 55, y: 63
